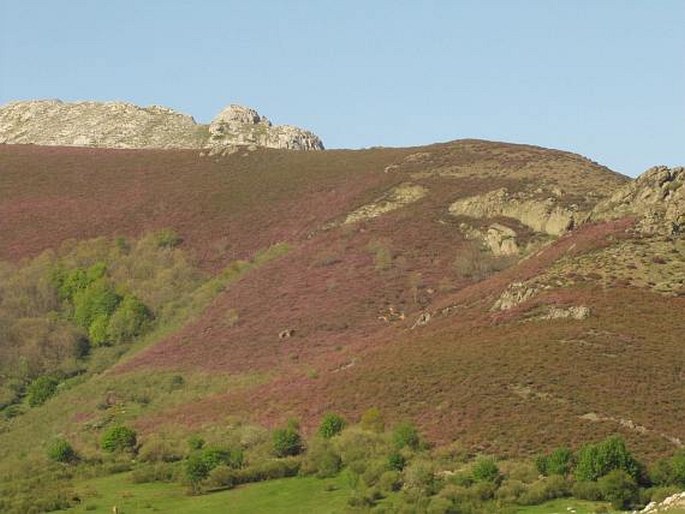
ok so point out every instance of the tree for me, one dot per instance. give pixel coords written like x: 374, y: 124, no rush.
x: 119, y: 438
x: 558, y: 462
x: 596, y: 460
x: 128, y: 320
x: 331, y: 425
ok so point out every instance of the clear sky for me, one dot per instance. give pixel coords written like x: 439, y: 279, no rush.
x: 605, y: 78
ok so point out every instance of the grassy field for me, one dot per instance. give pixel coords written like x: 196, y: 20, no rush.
x: 565, y: 506
x: 289, y: 495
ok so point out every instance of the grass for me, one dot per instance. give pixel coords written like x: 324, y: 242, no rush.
x: 288, y: 495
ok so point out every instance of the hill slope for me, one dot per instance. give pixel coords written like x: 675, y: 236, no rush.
x: 461, y: 285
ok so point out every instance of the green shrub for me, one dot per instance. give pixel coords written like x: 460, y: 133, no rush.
x: 232, y: 458
x: 669, y: 471
x: 97, y: 331
x: 405, y: 435
x: 97, y: 299
x: 286, y: 442
x: 331, y: 425
x: 586, y: 490
x: 619, y: 488
x: 119, y: 438
x: 61, y: 451
x: 321, y: 459
x: 41, y: 389
x: 596, y: 460
x: 158, y: 472
x: 222, y: 476
x: 129, y: 320
x: 390, y: 481
x: 549, y: 488
x: 396, y: 461
x: 559, y: 462
x: 196, y: 469
x: 485, y: 470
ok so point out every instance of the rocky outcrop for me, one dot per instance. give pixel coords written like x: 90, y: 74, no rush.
x: 124, y: 125
x: 515, y: 294
x: 397, y: 197
x: 577, y: 312
x: 242, y: 126
x: 656, y: 198
x: 97, y: 124
x: 497, y: 238
x: 542, y: 215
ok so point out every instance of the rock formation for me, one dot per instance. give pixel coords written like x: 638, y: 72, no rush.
x: 656, y: 198
x: 124, y: 125
x: 542, y: 215
x: 242, y: 126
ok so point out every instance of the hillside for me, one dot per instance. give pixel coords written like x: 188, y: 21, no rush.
x: 508, y: 297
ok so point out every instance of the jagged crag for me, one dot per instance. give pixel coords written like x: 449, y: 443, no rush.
x: 510, y: 297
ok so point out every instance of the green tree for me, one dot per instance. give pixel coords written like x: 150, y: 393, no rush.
x: 128, y: 320
x: 41, y: 389
x: 119, y: 438
x: 559, y: 462
x: 97, y: 299
x: 197, y: 469
x: 61, y: 451
x: 331, y: 425
x: 596, y: 460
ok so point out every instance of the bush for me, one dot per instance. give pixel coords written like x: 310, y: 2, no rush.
x: 41, y: 389
x: 331, y: 425
x: 405, y: 434
x: 286, y: 442
x: 559, y: 462
x: 596, y: 460
x: 485, y: 470
x: 61, y: 451
x: 232, y: 458
x: 153, y: 473
x: 321, y: 460
x: 129, y: 320
x: 396, y: 461
x: 195, y: 442
x: 119, y: 438
x: 197, y: 469
x: 97, y: 299
x: 619, y: 488
x: 167, y: 238
x: 586, y: 490
x: 669, y: 471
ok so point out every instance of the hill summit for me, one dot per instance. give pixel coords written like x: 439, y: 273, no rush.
x: 125, y: 125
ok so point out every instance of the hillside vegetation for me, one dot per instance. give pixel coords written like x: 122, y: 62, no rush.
x: 507, y: 299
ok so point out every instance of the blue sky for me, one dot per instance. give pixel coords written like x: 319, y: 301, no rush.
x: 605, y: 78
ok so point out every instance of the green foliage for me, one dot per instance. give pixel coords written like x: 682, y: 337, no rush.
x: 596, y: 460
x: 167, y: 238
x: 61, y: 451
x: 41, y: 390
x: 669, y: 471
x: 286, y: 442
x: 232, y: 458
x: 619, y: 488
x: 93, y: 307
x: 321, y: 459
x: 396, y: 461
x: 129, y: 320
x: 195, y: 442
x: 372, y: 420
x: 485, y: 470
x: 119, y: 438
x: 405, y: 435
x: 559, y: 462
x: 331, y: 425
x: 196, y: 468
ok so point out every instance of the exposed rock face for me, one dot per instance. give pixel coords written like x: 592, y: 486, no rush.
x: 124, y: 125
x: 541, y: 215
x: 242, y: 126
x: 97, y: 124
x: 499, y: 239
x: 573, y: 312
x: 657, y: 198
x: 397, y: 197
x: 515, y: 294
